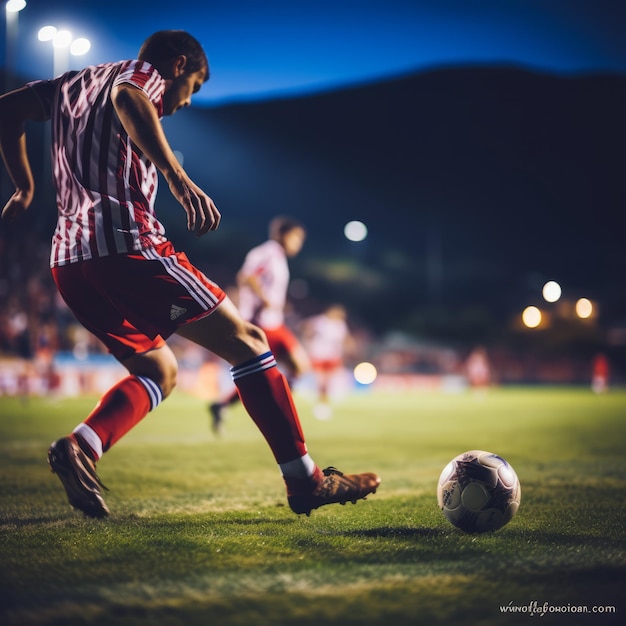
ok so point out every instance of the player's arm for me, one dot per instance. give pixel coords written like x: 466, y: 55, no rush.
x: 16, y: 107
x: 253, y: 282
x: 140, y: 120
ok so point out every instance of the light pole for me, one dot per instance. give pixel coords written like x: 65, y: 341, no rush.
x: 63, y: 44
x: 11, y: 12
x: 12, y: 9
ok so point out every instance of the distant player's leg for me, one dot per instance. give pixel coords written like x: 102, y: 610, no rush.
x: 289, y: 352
x: 216, y: 409
x: 266, y: 396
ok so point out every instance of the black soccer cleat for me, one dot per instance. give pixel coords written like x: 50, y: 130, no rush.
x: 77, y: 473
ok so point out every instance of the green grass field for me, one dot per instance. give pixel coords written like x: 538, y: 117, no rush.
x: 200, y: 532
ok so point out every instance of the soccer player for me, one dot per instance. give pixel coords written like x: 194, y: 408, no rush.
x: 263, y: 281
x: 326, y: 338
x: 122, y: 278
x: 600, y: 373
x: 478, y: 370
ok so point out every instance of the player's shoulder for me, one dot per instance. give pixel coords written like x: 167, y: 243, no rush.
x: 269, y: 248
x: 140, y: 74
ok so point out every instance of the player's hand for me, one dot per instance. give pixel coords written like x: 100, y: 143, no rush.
x: 17, y: 204
x: 202, y: 214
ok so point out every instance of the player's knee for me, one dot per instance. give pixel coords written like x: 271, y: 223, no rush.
x: 160, y: 366
x: 248, y: 341
x: 254, y: 338
x: 164, y: 374
x: 168, y: 372
x: 169, y: 377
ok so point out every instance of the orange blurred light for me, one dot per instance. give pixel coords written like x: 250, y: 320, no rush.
x: 531, y: 317
x: 584, y: 308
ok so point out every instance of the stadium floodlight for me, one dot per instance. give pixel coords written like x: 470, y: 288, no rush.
x: 355, y: 231
x: 80, y: 46
x: 12, y: 10
x: 551, y: 291
x: 63, y: 44
x: 15, y: 6
x: 531, y: 317
x: 584, y: 308
x: 62, y: 39
x: 47, y: 33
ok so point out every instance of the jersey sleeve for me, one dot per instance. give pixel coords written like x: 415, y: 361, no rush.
x: 145, y: 77
x: 45, y: 91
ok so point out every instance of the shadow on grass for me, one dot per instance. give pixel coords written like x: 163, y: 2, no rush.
x: 397, y: 532
x: 510, y: 535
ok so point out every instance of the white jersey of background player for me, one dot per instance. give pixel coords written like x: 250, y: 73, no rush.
x: 267, y: 263
x: 326, y: 337
x: 263, y: 281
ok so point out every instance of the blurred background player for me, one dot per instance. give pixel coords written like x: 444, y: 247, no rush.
x: 326, y: 338
x: 122, y: 277
x: 600, y: 373
x: 478, y: 370
x: 263, y: 282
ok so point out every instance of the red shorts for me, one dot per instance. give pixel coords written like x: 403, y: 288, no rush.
x: 133, y: 302
x: 281, y: 341
x: 326, y: 365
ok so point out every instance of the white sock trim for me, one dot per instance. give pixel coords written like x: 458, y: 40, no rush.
x: 153, y: 389
x: 298, y: 468
x: 90, y: 436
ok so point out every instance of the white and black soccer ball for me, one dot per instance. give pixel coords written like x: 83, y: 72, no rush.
x: 478, y: 491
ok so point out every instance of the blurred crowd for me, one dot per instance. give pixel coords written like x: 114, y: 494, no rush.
x: 35, y: 323
x: 39, y: 336
x: 34, y: 320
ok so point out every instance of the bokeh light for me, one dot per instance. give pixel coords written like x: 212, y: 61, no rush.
x: 531, y: 316
x: 584, y: 308
x: 47, y: 33
x: 62, y: 39
x: 365, y: 373
x: 551, y: 291
x: 355, y: 231
x: 80, y: 46
x: 15, y: 6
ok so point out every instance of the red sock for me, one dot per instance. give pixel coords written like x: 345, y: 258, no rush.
x: 267, y: 398
x: 122, y: 407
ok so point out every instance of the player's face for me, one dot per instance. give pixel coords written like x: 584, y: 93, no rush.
x: 178, y: 91
x: 293, y: 241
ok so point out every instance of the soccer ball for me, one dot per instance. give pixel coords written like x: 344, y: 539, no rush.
x: 478, y: 491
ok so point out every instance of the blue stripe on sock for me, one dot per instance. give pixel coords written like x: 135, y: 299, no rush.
x: 154, y: 391
x: 258, y: 364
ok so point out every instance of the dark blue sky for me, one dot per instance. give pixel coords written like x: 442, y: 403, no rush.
x: 258, y: 49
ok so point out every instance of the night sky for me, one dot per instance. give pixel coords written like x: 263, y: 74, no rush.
x: 260, y: 49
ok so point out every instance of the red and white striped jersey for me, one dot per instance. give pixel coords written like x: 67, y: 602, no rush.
x: 105, y: 185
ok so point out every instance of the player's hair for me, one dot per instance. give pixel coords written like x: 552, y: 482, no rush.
x: 282, y: 224
x: 165, y: 45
